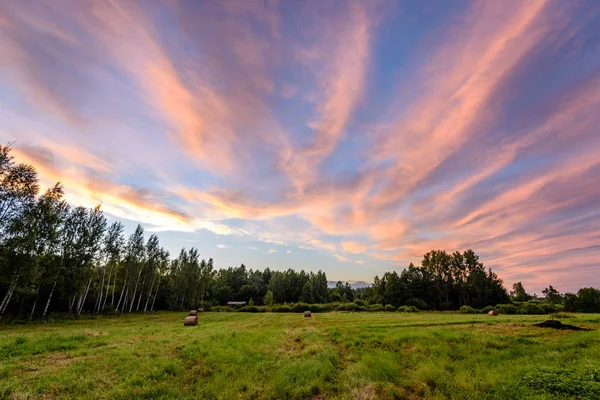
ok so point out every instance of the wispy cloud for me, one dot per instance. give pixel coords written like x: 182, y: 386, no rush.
x: 364, y: 137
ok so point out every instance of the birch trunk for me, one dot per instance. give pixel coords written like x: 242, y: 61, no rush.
x: 155, y: 294
x: 8, y: 295
x: 149, y: 293
x: 122, y: 289
x: 137, y: 308
x: 107, y: 290
x: 84, y: 296
x: 135, y: 290
x: 99, y: 299
x: 125, y: 300
x: 37, y: 291
x: 112, y: 299
x: 49, y: 298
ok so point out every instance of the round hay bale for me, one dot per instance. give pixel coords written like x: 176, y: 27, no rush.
x: 201, y: 310
x: 191, y: 320
x: 307, y: 314
x: 193, y: 313
x: 492, y: 313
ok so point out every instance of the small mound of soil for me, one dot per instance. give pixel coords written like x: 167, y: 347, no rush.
x: 551, y: 323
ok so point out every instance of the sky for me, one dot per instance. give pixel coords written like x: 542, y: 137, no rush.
x: 347, y: 136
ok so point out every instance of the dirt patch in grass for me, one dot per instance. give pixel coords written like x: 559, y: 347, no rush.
x: 93, y: 333
x: 364, y: 393
x: 554, y: 324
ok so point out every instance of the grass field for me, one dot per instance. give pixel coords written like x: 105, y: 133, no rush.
x: 286, y: 356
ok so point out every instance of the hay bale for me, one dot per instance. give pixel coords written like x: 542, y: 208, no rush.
x: 307, y: 314
x: 191, y: 320
x: 492, y: 313
x: 201, y: 310
x: 193, y: 313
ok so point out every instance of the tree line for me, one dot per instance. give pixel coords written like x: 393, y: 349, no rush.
x: 58, y: 258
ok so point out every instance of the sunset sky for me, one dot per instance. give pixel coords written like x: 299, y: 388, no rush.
x: 346, y: 136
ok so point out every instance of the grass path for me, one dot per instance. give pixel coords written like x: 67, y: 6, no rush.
x: 286, y: 356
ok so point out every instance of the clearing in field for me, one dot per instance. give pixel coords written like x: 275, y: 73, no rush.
x: 287, y: 356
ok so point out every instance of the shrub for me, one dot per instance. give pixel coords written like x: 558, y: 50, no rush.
x: 282, y: 308
x: 299, y: 307
x: 250, y: 309
x: 550, y: 308
x: 351, y: 307
x: 321, y: 307
x: 376, y: 308
x: 359, y: 303
x: 486, y: 309
x: 418, y: 303
x: 530, y: 308
x: 389, y: 307
x: 506, y: 309
x: 408, y: 309
x: 222, y: 309
x: 467, y: 310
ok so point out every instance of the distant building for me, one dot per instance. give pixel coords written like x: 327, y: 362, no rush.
x: 236, y: 303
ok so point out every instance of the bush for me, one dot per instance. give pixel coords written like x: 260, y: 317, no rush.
x: 222, y: 309
x: 506, y: 309
x: 348, y: 307
x: 408, y: 309
x: 390, y: 307
x: 487, y: 309
x: 299, y: 307
x: 351, y: 307
x: 530, y: 308
x: 282, y: 308
x: 359, y: 303
x: 376, y: 308
x: 550, y: 308
x: 321, y: 307
x: 467, y: 310
x: 418, y: 303
x: 250, y: 309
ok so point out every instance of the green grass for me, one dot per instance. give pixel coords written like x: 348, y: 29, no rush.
x: 286, y: 356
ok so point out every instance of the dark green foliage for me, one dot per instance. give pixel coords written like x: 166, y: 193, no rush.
x: 468, y: 310
x: 417, y: 303
x: 588, y: 300
x: 506, y: 309
x: 410, y: 309
x: 531, y: 307
x: 252, y: 309
x: 222, y: 309
x: 390, y: 307
x: 552, y: 295
x: 519, y: 292
x: 376, y: 308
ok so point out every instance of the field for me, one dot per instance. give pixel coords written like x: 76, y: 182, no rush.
x: 286, y: 356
